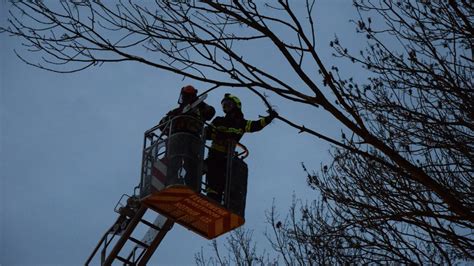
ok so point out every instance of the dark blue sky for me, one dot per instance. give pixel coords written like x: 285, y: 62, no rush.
x: 71, y: 146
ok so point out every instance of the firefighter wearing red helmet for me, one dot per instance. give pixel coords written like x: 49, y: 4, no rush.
x: 187, y: 118
x: 202, y: 111
x: 224, y: 132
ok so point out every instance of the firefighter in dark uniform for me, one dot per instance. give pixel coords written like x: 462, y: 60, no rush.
x: 184, y: 148
x: 203, y: 112
x: 225, y: 132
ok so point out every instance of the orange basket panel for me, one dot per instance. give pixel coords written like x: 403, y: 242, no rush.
x: 193, y: 211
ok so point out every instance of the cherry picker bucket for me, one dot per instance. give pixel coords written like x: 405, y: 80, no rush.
x: 171, y: 182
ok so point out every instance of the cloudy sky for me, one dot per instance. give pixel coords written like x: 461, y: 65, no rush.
x: 71, y: 146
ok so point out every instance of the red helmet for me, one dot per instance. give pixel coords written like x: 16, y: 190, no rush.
x: 188, y: 90
x: 188, y: 95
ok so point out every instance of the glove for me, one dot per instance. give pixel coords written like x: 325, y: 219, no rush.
x: 272, y: 114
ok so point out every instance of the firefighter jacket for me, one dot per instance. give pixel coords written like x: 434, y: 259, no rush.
x: 228, y: 130
x: 190, y: 122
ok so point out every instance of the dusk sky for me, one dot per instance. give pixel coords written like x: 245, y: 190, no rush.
x: 71, y: 146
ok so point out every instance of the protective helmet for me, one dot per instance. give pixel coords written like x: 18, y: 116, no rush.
x: 188, y: 94
x: 232, y: 98
x: 189, y: 89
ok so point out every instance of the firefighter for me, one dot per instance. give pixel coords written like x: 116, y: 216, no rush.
x: 183, y: 149
x: 203, y: 112
x: 225, y: 132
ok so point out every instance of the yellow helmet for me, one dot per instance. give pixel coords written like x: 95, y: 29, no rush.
x: 233, y: 98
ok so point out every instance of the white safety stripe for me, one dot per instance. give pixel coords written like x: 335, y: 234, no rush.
x: 157, y: 184
x: 160, y: 166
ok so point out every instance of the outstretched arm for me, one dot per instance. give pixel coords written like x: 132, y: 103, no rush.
x: 253, y: 126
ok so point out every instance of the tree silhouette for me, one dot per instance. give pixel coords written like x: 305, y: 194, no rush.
x: 400, y: 186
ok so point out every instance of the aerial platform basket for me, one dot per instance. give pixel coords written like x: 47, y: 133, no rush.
x: 171, y: 182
